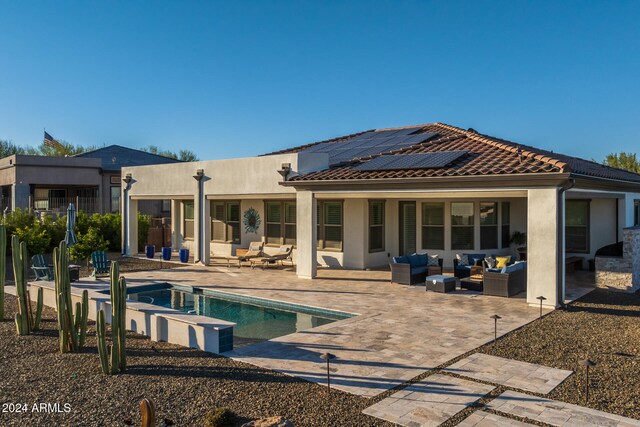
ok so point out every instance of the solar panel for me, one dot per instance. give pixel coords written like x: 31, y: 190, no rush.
x: 411, y: 161
x: 368, y: 144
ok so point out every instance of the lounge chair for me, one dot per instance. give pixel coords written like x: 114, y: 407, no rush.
x: 283, y: 254
x: 255, y: 251
x: 41, y: 269
x: 101, y: 265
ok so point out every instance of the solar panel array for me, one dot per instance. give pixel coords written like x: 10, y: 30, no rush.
x: 369, y: 143
x: 437, y: 159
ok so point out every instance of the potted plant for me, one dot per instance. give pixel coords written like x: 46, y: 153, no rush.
x: 519, y: 239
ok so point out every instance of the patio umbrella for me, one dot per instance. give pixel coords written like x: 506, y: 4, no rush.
x: 70, y: 237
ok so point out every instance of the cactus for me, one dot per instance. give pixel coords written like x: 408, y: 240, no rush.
x: 24, y: 316
x: 114, y: 361
x: 3, y: 266
x: 72, y: 329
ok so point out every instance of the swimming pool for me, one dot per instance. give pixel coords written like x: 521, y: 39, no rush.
x: 256, y: 319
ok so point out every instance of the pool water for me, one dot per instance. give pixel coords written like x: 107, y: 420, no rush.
x: 256, y: 319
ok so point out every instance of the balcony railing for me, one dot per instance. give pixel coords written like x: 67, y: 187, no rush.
x: 89, y: 205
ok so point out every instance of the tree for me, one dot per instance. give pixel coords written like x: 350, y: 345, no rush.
x: 183, y: 155
x: 8, y: 148
x: 622, y: 160
x: 64, y: 149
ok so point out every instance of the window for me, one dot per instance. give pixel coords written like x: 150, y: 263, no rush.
x: 225, y: 221
x: 280, y: 223
x: 577, y: 226
x: 115, y: 199
x: 376, y: 226
x: 636, y: 212
x: 330, y: 225
x: 488, y: 225
x: 433, y: 225
x: 506, y: 221
x: 188, y: 220
x: 462, y: 225
x: 166, y: 206
x: 50, y: 199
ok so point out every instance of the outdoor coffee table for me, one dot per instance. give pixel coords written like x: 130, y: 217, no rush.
x: 440, y: 283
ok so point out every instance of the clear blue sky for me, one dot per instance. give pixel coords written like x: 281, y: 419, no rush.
x: 235, y: 79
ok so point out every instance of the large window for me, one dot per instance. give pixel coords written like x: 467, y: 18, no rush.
x: 115, y: 199
x: 506, y: 224
x: 577, y: 226
x: 188, y: 220
x: 636, y: 212
x: 376, y: 226
x: 488, y: 225
x: 330, y: 225
x: 462, y: 225
x: 433, y: 225
x: 280, y: 223
x: 50, y: 199
x: 225, y: 221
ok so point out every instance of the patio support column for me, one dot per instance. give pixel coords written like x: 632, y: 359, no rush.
x: 201, y: 238
x: 176, y: 223
x: 131, y: 226
x: 306, y: 234
x: 544, y: 241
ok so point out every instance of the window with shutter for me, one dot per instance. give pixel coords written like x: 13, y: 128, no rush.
x: 330, y: 225
x: 376, y: 226
x: 433, y: 225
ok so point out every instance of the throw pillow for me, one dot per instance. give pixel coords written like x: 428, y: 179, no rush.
x: 491, y: 262
x: 501, y: 261
x: 463, y: 259
x: 433, y: 261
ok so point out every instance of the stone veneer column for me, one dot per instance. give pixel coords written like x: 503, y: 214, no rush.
x: 632, y: 254
x: 306, y: 235
x: 542, y: 246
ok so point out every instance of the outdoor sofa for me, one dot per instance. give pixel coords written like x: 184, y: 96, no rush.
x: 507, y: 282
x: 475, y: 260
x: 412, y: 269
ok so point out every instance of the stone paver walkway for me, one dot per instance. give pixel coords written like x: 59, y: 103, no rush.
x: 556, y: 413
x: 487, y: 419
x: 509, y: 372
x: 429, y: 402
x: 399, y: 333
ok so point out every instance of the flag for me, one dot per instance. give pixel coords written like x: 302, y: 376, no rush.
x: 51, y: 141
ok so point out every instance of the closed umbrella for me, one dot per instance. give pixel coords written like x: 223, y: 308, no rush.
x: 70, y: 237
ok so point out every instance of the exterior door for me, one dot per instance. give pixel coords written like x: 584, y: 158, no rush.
x: 407, y: 230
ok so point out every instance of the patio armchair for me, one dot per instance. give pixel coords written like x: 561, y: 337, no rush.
x: 101, y: 265
x: 412, y: 269
x: 284, y: 253
x: 41, y: 268
x: 509, y: 281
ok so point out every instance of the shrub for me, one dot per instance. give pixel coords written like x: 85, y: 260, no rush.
x: 219, y: 417
x: 109, y: 227
x: 88, y: 242
x: 144, y: 222
x: 36, y: 238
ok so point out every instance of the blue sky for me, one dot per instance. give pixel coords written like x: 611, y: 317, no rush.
x: 235, y: 79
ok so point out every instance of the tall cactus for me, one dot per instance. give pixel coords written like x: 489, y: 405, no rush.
x: 26, y: 321
x: 114, y: 361
x: 72, y: 329
x: 3, y: 266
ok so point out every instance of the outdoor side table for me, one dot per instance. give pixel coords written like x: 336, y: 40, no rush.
x: 440, y: 283
x: 74, y: 272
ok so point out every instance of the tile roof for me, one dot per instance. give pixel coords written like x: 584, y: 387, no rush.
x: 115, y: 157
x: 486, y: 156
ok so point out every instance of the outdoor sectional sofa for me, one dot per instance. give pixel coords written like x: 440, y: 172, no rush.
x: 412, y: 269
x: 505, y: 282
x: 462, y: 271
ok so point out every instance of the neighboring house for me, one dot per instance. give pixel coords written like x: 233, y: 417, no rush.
x: 358, y: 200
x: 89, y: 180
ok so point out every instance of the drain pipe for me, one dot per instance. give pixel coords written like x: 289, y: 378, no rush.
x: 198, y: 177
x: 560, y: 277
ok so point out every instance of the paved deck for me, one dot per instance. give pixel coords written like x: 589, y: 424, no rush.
x: 400, y: 332
x: 487, y: 419
x: 556, y: 413
x: 429, y: 402
x: 510, y: 373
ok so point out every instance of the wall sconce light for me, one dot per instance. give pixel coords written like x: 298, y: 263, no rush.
x: 199, y: 175
x: 127, y: 179
x: 284, y: 170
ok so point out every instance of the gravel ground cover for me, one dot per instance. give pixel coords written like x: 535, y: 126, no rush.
x: 183, y: 383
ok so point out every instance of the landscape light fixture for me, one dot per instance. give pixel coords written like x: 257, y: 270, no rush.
x: 328, y: 357
x: 284, y: 170
x: 587, y: 364
x: 541, y: 298
x: 495, y: 318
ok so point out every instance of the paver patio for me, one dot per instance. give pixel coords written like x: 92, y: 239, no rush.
x: 400, y: 332
x: 509, y: 372
x: 487, y: 419
x: 556, y: 413
x: 429, y: 402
